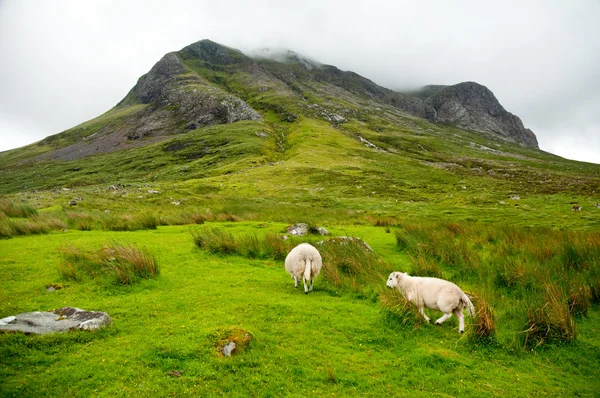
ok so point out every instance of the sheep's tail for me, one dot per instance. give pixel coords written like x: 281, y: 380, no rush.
x: 468, y: 305
x: 307, y: 269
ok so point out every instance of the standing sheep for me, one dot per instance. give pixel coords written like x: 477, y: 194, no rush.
x: 303, y: 261
x: 433, y: 293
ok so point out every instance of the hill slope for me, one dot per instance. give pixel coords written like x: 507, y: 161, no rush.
x: 263, y: 133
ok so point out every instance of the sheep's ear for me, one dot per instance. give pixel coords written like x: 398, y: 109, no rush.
x: 398, y: 274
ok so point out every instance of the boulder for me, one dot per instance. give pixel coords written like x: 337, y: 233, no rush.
x: 60, y: 320
x: 302, y: 229
x: 342, y: 240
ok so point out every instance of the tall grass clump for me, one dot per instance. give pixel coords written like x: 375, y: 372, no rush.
x: 397, y: 310
x: 128, y: 222
x: 17, y: 210
x: 216, y: 241
x: 116, y: 263
x: 350, y: 263
x: 550, y: 322
x: 484, y: 327
x: 423, y: 266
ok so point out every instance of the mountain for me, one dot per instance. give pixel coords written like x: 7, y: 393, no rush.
x: 211, y: 126
x: 207, y: 84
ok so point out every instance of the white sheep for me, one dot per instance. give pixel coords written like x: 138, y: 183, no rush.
x: 303, y: 261
x: 433, y: 293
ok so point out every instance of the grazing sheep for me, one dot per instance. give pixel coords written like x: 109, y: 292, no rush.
x: 303, y: 261
x: 433, y: 293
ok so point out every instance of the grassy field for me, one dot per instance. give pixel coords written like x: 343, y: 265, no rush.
x: 331, y: 342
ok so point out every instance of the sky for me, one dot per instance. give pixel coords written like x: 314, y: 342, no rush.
x: 63, y: 62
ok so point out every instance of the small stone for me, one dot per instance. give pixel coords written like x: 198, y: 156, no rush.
x: 228, y: 349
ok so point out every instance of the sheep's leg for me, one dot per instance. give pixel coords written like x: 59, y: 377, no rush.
x: 311, y: 285
x: 461, y: 320
x: 422, y: 312
x: 443, y: 318
x: 305, y: 286
x: 295, y: 281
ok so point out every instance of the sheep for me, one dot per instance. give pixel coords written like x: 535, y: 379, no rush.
x: 433, y: 293
x: 303, y: 261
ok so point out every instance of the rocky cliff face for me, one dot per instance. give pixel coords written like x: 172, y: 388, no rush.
x: 474, y: 107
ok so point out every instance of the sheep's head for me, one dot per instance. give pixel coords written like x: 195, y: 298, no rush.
x: 394, y: 279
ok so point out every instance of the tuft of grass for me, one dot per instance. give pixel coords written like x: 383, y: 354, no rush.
x: 579, y: 300
x: 350, y: 263
x: 397, y: 310
x: 119, y: 264
x: 423, y: 266
x: 484, y: 328
x: 216, y: 241
x: 551, y: 322
x: 17, y: 210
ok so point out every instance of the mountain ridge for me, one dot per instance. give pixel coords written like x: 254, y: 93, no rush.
x: 206, y: 83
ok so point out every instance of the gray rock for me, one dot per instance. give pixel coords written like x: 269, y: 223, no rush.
x: 341, y: 240
x: 299, y: 229
x: 302, y: 229
x: 60, y: 320
x: 474, y: 107
x: 228, y: 349
x: 322, y: 231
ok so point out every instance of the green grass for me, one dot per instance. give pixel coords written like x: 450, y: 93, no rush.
x: 328, y: 342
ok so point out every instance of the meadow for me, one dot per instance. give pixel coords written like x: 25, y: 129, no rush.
x: 349, y: 337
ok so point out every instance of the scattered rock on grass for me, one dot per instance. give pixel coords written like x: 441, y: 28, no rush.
x: 232, y: 341
x: 302, y: 229
x: 53, y: 287
x: 344, y: 240
x: 60, y: 320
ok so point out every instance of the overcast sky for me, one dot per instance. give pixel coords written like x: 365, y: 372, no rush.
x: 63, y: 62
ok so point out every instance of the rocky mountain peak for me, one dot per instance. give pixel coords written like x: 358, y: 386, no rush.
x: 214, y: 53
x: 473, y: 106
